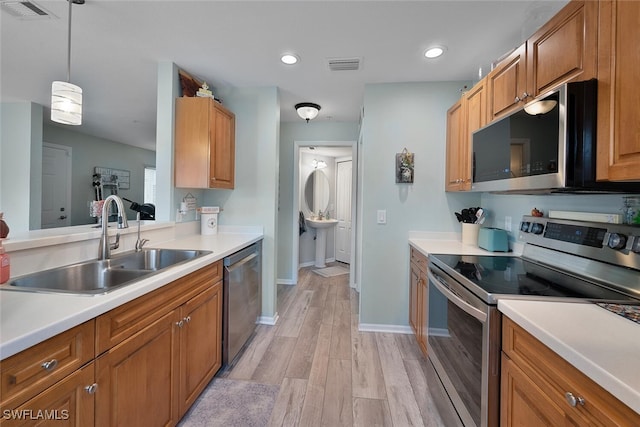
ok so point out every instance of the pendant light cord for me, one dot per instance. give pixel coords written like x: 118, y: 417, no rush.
x: 69, y: 45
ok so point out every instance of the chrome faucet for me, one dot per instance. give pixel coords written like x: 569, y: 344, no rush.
x: 104, y: 251
x: 140, y: 242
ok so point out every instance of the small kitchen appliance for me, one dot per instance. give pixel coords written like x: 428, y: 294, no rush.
x: 209, y: 220
x: 562, y: 260
x: 493, y: 239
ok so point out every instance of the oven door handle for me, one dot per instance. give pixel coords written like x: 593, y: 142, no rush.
x: 462, y: 304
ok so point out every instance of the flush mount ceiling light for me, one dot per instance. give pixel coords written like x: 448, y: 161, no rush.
x: 540, y: 107
x: 434, y: 52
x: 307, y: 110
x: 318, y: 164
x: 66, y: 98
x: 289, y: 58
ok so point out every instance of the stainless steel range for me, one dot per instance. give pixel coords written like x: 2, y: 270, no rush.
x: 562, y: 260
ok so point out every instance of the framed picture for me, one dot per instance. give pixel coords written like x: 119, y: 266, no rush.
x: 404, y: 167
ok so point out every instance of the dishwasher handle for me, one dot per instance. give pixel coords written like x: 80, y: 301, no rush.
x: 240, y: 255
x: 240, y: 263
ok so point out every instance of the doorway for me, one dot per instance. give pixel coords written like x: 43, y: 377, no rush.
x: 340, y: 155
x: 56, y: 186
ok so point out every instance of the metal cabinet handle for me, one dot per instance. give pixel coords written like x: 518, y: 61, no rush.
x: 91, y: 389
x: 517, y: 99
x: 50, y: 365
x: 187, y: 319
x: 525, y: 95
x: 573, y: 400
x: 180, y: 324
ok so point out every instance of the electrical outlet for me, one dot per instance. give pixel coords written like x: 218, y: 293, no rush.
x: 507, y: 223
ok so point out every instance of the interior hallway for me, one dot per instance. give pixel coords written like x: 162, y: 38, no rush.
x: 329, y: 373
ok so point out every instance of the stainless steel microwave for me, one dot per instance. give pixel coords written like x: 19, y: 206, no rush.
x: 548, y: 146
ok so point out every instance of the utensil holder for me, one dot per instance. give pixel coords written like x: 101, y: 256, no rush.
x: 470, y: 234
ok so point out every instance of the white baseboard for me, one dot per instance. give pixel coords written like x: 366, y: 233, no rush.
x: 268, y: 320
x: 393, y: 329
x: 310, y: 263
x: 285, y: 282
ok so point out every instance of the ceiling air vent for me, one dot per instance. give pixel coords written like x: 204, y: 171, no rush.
x: 25, y: 9
x: 344, y: 64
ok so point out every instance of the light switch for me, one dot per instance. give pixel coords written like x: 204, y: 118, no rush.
x: 382, y: 216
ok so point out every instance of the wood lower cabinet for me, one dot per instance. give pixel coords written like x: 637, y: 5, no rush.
x: 539, y: 388
x: 618, y: 91
x: 204, y: 144
x: 419, y: 298
x: 200, y: 344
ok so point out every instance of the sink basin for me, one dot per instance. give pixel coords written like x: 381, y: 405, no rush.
x: 321, y: 226
x: 101, y: 276
x: 321, y: 223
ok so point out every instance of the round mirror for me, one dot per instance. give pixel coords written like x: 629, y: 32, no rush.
x: 316, y: 191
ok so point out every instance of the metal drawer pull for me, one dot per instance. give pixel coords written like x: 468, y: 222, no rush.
x: 50, y: 365
x: 91, y: 389
x: 573, y: 400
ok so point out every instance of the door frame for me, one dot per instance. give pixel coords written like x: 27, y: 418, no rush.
x: 296, y: 203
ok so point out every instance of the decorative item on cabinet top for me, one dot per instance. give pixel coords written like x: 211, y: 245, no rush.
x: 404, y: 167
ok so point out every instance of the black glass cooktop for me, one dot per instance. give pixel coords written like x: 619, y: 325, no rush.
x: 492, y: 276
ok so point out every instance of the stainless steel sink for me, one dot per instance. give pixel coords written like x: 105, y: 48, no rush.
x: 97, y: 277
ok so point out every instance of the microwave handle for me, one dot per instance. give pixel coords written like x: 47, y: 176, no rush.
x: 462, y: 304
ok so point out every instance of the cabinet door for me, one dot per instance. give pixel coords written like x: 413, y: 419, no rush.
x: 564, y: 48
x: 507, y: 84
x: 476, y: 107
x: 414, y: 286
x: 200, y: 344
x: 423, y: 316
x: 66, y: 403
x: 191, y: 152
x: 138, y: 378
x: 222, y: 150
x: 457, y: 178
x: 523, y: 404
x: 618, y: 91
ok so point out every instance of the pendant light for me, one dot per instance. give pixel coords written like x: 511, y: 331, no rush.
x: 66, y: 98
x: 307, y: 110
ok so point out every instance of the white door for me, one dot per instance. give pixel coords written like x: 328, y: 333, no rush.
x: 56, y: 186
x: 343, y: 211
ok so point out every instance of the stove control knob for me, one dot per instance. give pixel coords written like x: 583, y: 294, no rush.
x: 617, y: 241
x: 524, y: 226
x: 537, y: 228
x: 636, y: 245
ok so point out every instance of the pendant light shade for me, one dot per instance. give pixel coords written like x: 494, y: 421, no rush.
x: 66, y: 98
x: 66, y: 103
x: 307, y: 110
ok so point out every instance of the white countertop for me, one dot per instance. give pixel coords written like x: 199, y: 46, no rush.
x: 28, y: 318
x: 450, y: 243
x: 602, y: 345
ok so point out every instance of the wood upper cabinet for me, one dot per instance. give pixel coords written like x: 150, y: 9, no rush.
x: 419, y: 298
x: 458, y: 176
x: 618, y: 91
x: 507, y: 83
x: 564, y: 49
x: 204, y: 144
x: 539, y: 388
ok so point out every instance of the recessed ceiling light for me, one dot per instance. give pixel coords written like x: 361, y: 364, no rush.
x: 289, y: 58
x: 434, y: 52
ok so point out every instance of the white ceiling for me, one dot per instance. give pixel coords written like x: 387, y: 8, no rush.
x: 117, y: 45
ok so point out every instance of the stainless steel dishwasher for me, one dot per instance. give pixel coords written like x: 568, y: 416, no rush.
x: 242, y: 299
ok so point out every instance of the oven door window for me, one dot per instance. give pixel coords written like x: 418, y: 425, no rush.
x: 455, y: 346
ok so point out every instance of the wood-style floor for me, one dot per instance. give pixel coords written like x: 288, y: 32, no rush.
x: 329, y: 373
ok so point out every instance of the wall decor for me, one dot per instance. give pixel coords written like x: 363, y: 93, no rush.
x: 404, y: 167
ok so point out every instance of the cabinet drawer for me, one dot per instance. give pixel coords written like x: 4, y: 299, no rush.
x: 31, y: 371
x: 555, y: 376
x: 120, y: 323
x: 419, y: 259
